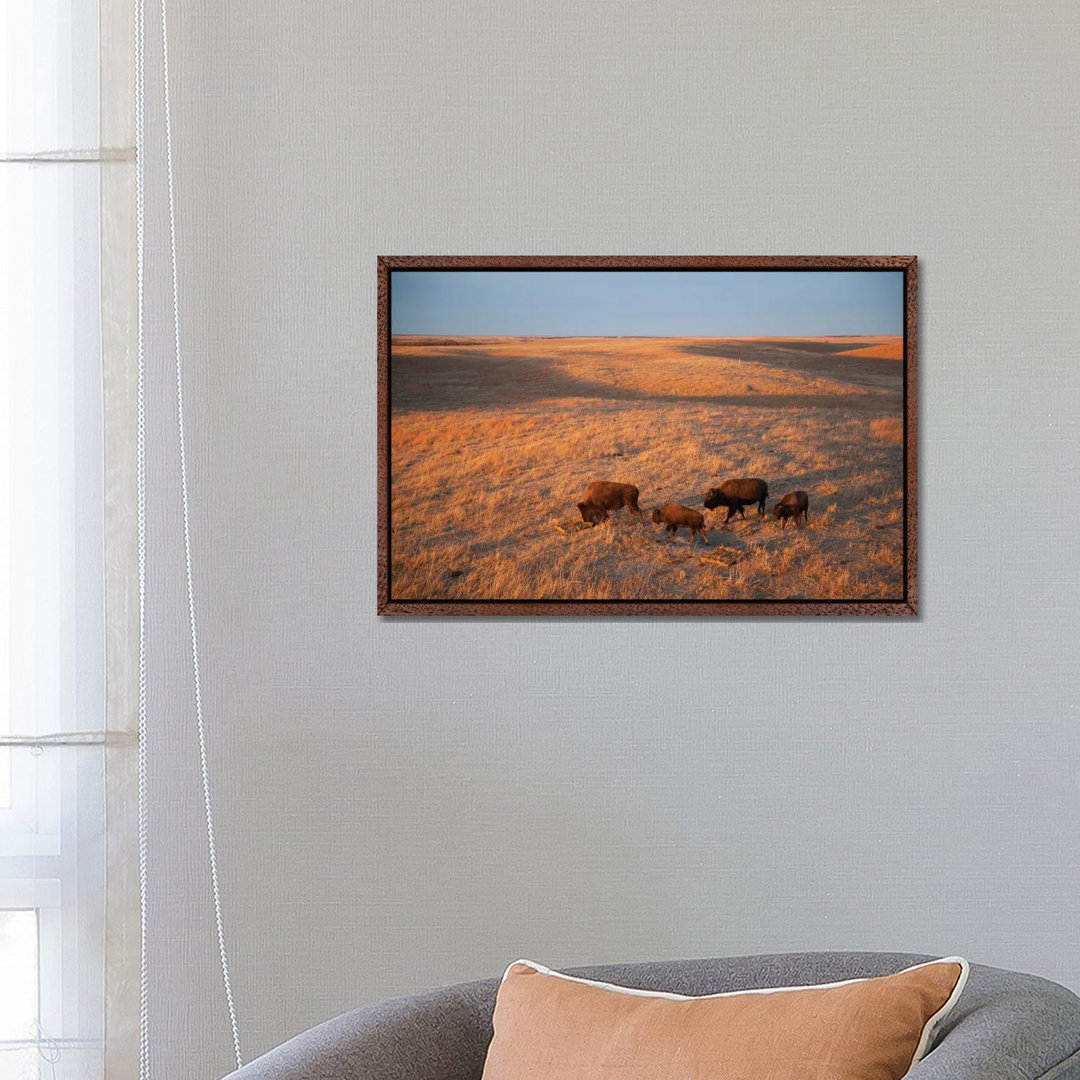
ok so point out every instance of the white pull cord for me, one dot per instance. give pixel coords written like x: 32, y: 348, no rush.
x: 140, y: 94
x: 207, y: 804
x: 140, y: 454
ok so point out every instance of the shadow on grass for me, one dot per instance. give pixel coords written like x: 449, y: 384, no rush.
x: 817, y: 358
x: 442, y: 380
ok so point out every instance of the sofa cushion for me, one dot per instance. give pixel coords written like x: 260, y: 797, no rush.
x: 552, y: 1026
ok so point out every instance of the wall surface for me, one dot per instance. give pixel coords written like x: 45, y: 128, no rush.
x: 407, y: 803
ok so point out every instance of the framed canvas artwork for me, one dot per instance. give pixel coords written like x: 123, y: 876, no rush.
x: 647, y: 435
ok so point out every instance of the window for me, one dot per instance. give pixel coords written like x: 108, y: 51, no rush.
x: 52, y: 577
x: 19, y: 948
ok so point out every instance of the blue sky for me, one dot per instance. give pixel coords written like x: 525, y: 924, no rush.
x: 667, y: 303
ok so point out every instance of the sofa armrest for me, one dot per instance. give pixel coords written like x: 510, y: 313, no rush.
x: 441, y: 1034
x: 1007, y: 1026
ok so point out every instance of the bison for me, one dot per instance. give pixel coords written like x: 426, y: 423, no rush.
x: 675, y: 517
x: 794, y: 504
x: 602, y: 496
x: 735, y: 494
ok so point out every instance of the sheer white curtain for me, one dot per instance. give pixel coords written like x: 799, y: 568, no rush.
x: 57, y: 206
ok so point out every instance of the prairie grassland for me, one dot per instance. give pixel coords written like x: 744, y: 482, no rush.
x: 493, y: 441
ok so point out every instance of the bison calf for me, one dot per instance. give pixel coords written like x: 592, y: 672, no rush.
x: 675, y: 517
x: 794, y: 504
x: 602, y: 496
x: 735, y: 494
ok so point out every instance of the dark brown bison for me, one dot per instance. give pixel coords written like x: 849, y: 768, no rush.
x: 735, y: 494
x: 794, y: 504
x: 603, y: 496
x: 675, y: 517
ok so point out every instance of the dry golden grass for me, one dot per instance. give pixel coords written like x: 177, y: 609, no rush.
x: 493, y: 441
x: 894, y: 350
x: 889, y: 428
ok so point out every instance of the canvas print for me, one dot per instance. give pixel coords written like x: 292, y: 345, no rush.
x: 647, y: 437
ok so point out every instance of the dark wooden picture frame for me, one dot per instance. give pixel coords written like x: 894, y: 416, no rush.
x: 900, y: 521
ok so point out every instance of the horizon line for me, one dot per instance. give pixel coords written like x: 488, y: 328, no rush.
x: 652, y: 337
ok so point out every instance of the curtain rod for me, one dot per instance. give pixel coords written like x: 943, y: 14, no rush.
x: 70, y: 738
x: 89, y: 156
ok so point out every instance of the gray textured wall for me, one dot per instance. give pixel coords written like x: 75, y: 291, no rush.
x: 414, y: 802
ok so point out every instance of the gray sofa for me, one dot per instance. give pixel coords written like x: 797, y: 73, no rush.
x: 1005, y: 1026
